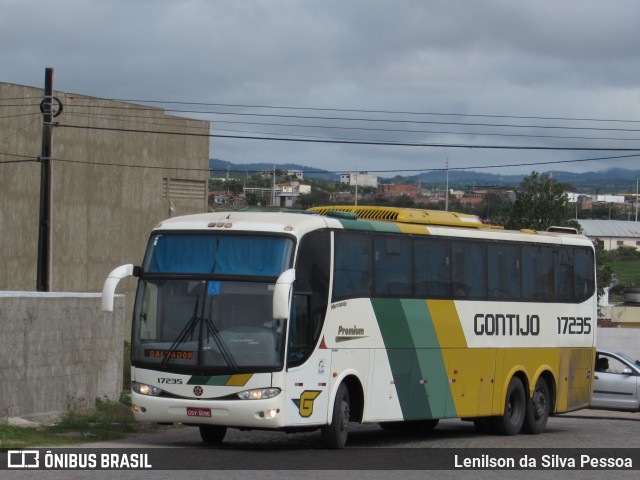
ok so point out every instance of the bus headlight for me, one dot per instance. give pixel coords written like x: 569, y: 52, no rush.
x: 144, y: 389
x: 258, y: 394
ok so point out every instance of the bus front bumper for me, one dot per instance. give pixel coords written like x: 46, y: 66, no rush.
x: 265, y: 413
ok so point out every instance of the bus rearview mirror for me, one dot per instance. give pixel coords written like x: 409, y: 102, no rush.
x: 282, y: 294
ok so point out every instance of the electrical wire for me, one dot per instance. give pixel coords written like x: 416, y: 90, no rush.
x: 27, y: 158
x: 395, y: 112
x: 355, y: 142
x: 376, y: 120
x: 141, y: 120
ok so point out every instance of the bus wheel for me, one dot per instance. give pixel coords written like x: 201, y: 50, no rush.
x: 335, y: 434
x: 510, y: 423
x: 212, y: 433
x: 537, y: 410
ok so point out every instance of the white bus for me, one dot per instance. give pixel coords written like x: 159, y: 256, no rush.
x: 298, y: 321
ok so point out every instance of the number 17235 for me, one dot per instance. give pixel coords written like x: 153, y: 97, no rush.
x: 574, y: 325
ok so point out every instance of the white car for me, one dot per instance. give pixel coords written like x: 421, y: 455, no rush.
x: 616, y: 382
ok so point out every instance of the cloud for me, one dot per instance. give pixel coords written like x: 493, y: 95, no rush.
x: 543, y: 58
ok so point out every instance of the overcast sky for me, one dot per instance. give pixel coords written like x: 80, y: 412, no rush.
x: 464, y: 69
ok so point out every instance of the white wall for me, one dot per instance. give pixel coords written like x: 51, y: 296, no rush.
x: 620, y: 339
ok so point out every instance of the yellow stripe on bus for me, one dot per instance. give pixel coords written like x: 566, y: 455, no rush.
x: 447, y: 323
x: 239, y: 380
x: 479, y: 377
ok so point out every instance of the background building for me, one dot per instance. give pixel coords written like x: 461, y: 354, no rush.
x: 612, y: 234
x: 393, y: 191
x: 360, y: 179
x: 109, y: 187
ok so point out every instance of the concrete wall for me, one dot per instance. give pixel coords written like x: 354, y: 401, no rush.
x: 59, y: 352
x: 620, y: 339
x: 109, y: 188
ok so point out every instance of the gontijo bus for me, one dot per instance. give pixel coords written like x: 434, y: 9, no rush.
x: 298, y: 321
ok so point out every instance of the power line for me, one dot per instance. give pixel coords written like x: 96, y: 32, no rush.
x: 395, y: 112
x: 24, y: 158
x: 357, y: 142
x: 19, y: 98
x: 15, y: 132
x: 397, y: 170
x: 20, y: 115
x: 138, y: 118
x: 376, y: 120
x: 444, y: 132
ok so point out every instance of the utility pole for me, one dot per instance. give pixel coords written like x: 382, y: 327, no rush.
x: 637, y: 198
x: 273, y: 190
x: 446, y: 198
x: 356, y: 204
x: 43, y: 277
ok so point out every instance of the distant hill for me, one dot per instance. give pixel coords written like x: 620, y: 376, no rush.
x: 613, y: 180
x: 220, y: 168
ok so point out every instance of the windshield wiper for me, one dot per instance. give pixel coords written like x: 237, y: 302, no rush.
x: 189, y: 330
x: 224, y: 350
x: 184, y: 333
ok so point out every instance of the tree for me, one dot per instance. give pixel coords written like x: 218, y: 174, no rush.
x: 493, y: 208
x: 403, y: 201
x: 540, y: 203
x: 313, y: 199
x: 604, y: 272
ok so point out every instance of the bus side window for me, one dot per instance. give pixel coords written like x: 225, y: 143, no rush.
x: 584, y: 276
x: 353, y: 265
x: 432, y: 268
x: 504, y: 274
x: 468, y: 270
x: 392, y: 266
x: 564, y: 278
x: 537, y: 272
x: 310, y: 296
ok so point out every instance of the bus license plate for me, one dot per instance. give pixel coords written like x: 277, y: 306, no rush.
x: 198, y: 412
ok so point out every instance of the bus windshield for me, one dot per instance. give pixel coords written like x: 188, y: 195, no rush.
x: 218, y: 254
x: 205, y: 303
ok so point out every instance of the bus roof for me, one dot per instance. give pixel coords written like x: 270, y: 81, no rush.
x: 380, y: 219
x: 435, y: 222
x: 406, y: 215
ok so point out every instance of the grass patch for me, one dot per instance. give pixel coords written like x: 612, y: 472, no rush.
x: 627, y: 271
x: 16, y: 438
x: 107, y: 421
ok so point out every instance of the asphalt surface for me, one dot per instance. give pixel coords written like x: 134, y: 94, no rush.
x: 604, y: 414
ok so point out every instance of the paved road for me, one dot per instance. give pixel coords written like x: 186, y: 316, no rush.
x: 370, y: 447
x: 582, y: 429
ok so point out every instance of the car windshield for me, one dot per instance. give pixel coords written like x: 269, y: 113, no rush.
x: 628, y: 359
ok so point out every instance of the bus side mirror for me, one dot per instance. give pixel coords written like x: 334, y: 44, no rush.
x: 282, y: 294
x: 110, y: 284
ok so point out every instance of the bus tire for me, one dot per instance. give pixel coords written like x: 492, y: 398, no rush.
x: 510, y: 422
x: 212, y: 433
x: 537, y: 410
x: 335, y: 434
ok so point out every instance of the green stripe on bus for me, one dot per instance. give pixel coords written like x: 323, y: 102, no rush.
x: 364, y: 225
x: 432, y: 365
x: 415, y: 358
x: 216, y: 381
